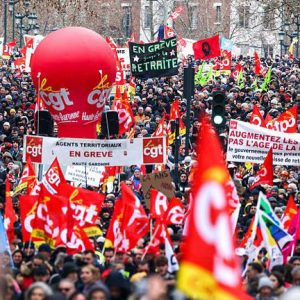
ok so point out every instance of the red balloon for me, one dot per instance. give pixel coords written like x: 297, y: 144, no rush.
x: 74, y: 69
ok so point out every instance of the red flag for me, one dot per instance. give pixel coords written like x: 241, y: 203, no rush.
x: 135, y: 223
x: 224, y: 64
x: 9, y: 213
x: 207, y: 48
x: 19, y: 64
x: 175, y: 213
x: 84, y: 207
x: 181, y: 42
x: 289, y: 213
x: 168, y: 32
x: 269, y: 121
x: 28, y: 205
x: 8, y: 49
x: 114, y: 236
x: 28, y: 179
x: 235, y: 73
x: 125, y: 114
x: 211, y: 273
x: 158, y: 236
x: 257, y: 118
x: 160, y: 129
x: 257, y: 64
x: 111, y: 42
x: 287, y: 121
x: 158, y: 204
x: 265, y: 173
x: 174, y: 112
x: 174, y: 15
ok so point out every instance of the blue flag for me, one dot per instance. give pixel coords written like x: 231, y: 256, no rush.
x: 4, y: 244
x: 226, y: 44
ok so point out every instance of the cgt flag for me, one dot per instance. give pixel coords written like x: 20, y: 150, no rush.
x: 207, y: 48
x: 213, y: 272
x: 154, y: 59
x: 265, y: 174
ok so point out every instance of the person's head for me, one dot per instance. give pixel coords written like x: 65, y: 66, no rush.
x: 296, y: 276
x: 98, y: 293
x: 77, y: 296
x: 38, y: 260
x: 295, y: 261
x: 41, y: 273
x: 143, y: 266
x: 66, y: 287
x: 265, y: 287
x: 45, y: 250
x: 277, y: 279
x: 38, y: 291
x: 253, y: 270
x: 108, y: 254
x: 161, y: 264
x: 137, y: 172
x: 70, y: 271
x: 89, y: 274
x: 89, y: 257
x: 17, y: 257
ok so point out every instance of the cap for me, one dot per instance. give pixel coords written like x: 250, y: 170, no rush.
x: 272, y: 199
x: 265, y: 282
x: 6, y: 124
x: 44, y: 248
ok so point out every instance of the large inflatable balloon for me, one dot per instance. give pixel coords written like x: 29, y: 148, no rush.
x: 74, y: 69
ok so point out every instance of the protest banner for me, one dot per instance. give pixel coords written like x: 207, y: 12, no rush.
x: 84, y: 175
x: 251, y: 143
x: 154, y: 59
x: 89, y: 152
x: 160, y: 181
x: 123, y: 55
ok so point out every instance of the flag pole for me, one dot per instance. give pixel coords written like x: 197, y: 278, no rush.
x: 151, y: 240
x: 295, y: 241
x: 188, y: 92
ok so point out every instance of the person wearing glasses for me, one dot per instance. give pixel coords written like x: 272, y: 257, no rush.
x: 66, y: 287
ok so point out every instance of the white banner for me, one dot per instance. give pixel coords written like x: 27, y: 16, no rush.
x: 84, y: 175
x: 251, y: 143
x: 88, y: 152
x: 123, y: 55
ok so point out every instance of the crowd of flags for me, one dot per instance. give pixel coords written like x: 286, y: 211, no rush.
x: 53, y: 211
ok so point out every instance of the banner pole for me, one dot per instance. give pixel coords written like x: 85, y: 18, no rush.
x: 188, y: 93
x: 176, y: 150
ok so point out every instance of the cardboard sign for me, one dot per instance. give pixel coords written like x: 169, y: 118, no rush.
x: 85, y: 175
x: 161, y: 181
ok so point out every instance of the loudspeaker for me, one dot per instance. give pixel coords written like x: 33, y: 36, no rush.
x: 44, y: 123
x: 110, y: 123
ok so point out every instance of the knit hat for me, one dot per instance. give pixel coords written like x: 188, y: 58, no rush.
x: 265, y: 282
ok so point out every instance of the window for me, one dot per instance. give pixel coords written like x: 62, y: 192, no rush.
x: 193, y: 15
x: 268, y: 50
x: 127, y: 20
x: 268, y: 17
x: 105, y: 13
x: 244, y: 12
x: 147, y: 17
x: 218, y: 13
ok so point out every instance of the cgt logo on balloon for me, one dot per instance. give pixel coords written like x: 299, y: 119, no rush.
x: 59, y: 100
x: 34, y: 146
x: 153, y: 151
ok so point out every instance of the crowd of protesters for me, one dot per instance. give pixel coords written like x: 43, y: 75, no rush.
x: 38, y: 273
